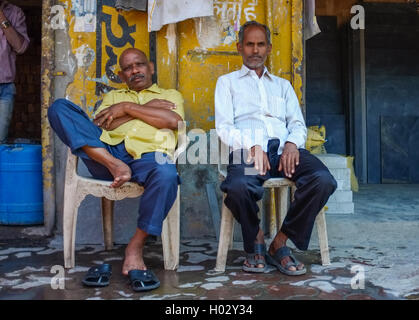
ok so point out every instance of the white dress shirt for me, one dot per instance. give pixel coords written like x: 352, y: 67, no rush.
x: 250, y: 110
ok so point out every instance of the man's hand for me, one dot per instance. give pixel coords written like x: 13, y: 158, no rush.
x: 105, y: 118
x: 261, y: 159
x: 290, y: 158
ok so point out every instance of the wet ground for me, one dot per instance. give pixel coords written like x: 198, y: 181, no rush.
x: 26, y: 274
x: 374, y: 255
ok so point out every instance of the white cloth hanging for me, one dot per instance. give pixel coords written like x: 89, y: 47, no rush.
x: 311, y: 27
x: 161, y: 12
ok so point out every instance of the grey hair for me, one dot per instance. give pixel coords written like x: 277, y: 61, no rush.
x: 254, y: 23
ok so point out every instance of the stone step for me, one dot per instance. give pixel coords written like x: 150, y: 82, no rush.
x: 344, y: 185
x: 341, y: 196
x: 332, y: 161
x: 340, y: 208
x: 342, y: 174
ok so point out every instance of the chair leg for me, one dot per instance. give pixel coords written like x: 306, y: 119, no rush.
x: 323, y: 241
x: 231, y: 244
x: 273, y: 208
x: 171, y: 236
x: 226, y: 234
x: 283, y: 205
x: 71, y: 206
x: 107, y: 222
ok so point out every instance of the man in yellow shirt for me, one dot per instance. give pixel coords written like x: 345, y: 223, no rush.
x: 123, y: 143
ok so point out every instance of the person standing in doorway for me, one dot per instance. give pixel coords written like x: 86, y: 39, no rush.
x: 13, y: 40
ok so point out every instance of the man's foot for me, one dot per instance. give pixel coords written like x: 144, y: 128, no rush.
x: 134, y: 253
x: 120, y: 171
x: 256, y: 262
x: 257, y: 258
x: 280, y: 256
x: 133, y: 260
x: 286, y: 260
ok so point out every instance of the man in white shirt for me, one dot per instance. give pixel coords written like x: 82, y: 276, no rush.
x: 258, y: 115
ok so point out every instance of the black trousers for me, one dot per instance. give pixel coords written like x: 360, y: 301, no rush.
x: 314, y: 185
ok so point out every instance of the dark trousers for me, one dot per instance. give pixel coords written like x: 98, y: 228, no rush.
x: 314, y: 185
x: 160, y: 181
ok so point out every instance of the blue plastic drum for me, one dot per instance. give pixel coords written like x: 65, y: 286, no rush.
x: 21, y: 193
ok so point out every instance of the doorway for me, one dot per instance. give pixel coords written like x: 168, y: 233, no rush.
x: 363, y: 85
x: 392, y: 92
x: 26, y: 121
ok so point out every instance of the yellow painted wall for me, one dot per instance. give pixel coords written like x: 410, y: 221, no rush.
x: 192, y: 54
x: 82, y: 90
x: 206, y: 49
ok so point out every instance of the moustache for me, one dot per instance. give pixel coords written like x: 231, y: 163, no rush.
x: 136, y: 76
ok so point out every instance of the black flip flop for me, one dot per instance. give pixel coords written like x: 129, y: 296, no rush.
x: 98, y: 276
x: 143, y: 280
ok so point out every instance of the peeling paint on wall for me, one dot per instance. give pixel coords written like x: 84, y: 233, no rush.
x: 84, y: 56
x: 191, y: 55
x: 85, y: 15
x: 280, y: 8
x: 171, y: 39
x: 48, y: 169
x: 96, y: 70
x: 208, y: 32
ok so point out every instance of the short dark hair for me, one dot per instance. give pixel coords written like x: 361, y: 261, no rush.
x: 254, y: 23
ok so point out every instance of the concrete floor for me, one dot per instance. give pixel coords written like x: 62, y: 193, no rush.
x: 380, y: 242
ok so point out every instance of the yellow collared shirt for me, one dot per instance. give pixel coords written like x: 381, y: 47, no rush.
x: 138, y: 136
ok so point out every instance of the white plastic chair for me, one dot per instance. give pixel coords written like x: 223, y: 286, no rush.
x: 78, y: 187
x: 278, y: 209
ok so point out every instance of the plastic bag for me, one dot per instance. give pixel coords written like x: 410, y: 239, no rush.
x: 316, y: 137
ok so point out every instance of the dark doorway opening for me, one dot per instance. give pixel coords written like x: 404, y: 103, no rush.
x: 392, y: 92
x: 363, y: 85
x: 325, y: 104
x: 26, y: 121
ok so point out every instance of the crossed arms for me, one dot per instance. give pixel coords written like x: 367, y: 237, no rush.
x: 118, y: 108
x: 157, y: 113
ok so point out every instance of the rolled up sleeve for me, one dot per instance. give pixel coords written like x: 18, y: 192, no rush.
x: 19, y: 25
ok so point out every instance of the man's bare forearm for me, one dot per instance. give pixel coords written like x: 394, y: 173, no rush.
x: 118, y: 122
x: 159, y: 118
x: 12, y: 36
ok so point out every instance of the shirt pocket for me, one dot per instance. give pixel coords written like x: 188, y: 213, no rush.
x: 277, y: 107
